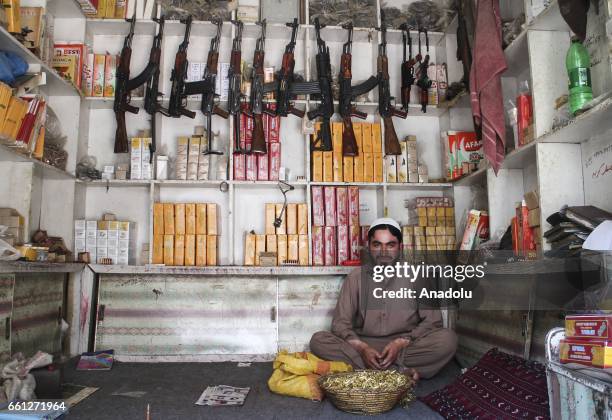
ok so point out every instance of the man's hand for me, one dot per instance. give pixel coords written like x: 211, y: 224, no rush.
x: 369, y: 355
x: 391, y: 351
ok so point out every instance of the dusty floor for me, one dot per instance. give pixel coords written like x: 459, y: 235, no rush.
x: 172, y: 389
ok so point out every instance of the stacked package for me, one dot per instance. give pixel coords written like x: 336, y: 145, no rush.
x: 258, y: 167
x: 588, y: 340
x: 185, y: 234
x: 405, y: 167
x: 191, y: 162
x: 367, y: 166
x: 436, y: 228
x: 98, y: 75
x: 106, y: 241
x: 463, y: 152
x: 13, y: 224
x: 286, y: 244
x: 117, y: 9
x: 476, y: 230
x: 140, y: 156
x: 336, y: 233
x: 22, y: 121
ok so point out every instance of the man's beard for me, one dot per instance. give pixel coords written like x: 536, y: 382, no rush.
x: 385, y: 258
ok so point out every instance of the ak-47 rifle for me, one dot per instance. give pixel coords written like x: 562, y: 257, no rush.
x: 207, y: 88
x: 326, y: 108
x: 177, y: 106
x: 348, y: 94
x: 385, y: 108
x: 122, y: 90
x: 151, y: 74
x: 256, y: 108
x: 234, y: 75
x: 423, y: 81
x: 407, y: 67
x: 285, y: 87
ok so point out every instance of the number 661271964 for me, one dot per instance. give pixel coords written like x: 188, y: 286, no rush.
x: 36, y: 405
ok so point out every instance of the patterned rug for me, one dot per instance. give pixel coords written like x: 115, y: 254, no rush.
x: 498, y: 386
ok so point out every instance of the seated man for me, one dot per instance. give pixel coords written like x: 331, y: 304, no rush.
x: 375, y: 333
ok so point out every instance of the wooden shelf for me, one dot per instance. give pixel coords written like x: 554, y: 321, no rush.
x: 55, y: 83
x: 294, y: 271
x: 14, y: 154
x: 39, y: 267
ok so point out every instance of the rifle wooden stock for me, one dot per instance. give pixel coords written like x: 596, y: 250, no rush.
x: 211, y: 62
x: 349, y: 144
x: 259, y: 139
x: 220, y: 112
x: 186, y: 112
x: 121, y: 140
x: 297, y: 112
x: 392, y: 146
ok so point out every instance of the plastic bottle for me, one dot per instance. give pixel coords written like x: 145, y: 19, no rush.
x: 578, y: 64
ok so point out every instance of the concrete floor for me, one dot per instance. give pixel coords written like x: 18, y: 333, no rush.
x: 172, y: 388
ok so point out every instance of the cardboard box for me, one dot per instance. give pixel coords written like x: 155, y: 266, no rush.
x: 532, y: 200
x: 211, y: 249
x: 402, y: 165
x: 342, y: 206
x: 200, y: 254
x: 291, y: 215
x: 190, y: 219
x: 368, y: 167
x: 318, y: 206
x: 281, y: 248
x: 158, y: 219
x: 347, y: 168
x: 182, y: 150
x: 329, y: 194
x: 179, y: 219
x: 303, y: 250
x: 376, y: 139
x: 317, y: 166
x: 251, y: 167
x: 193, y: 157
x: 260, y: 246
x: 596, y: 326
x: 275, y: 161
x: 337, y: 151
x: 330, y: 245
x: 354, y: 242
x: 250, y: 241
x: 211, y: 217
x: 158, y: 249
x: 328, y: 166
x: 169, y: 218
x: 179, y: 250
x: 358, y: 160
x: 366, y: 130
x: 302, y: 219
x: 169, y: 249
x: 318, y: 252
x: 533, y: 217
x: 270, y: 216
x: 190, y: 250
x: 293, y: 248
x: 201, y: 221
x: 282, y: 229
x: 239, y: 167
x: 378, y: 167
x: 135, y: 158
x: 98, y: 75
x: 391, y: 168
x: 595, y: 353
x: 353, y: 206
x: 271, y: 243
x: 262, y: 167
x: 344, y: 251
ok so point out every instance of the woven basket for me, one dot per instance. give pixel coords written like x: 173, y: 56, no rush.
x: 364, y: 401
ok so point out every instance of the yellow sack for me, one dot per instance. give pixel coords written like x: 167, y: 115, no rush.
x: 296, y: 374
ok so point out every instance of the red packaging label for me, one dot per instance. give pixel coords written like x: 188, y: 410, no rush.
x: 251, y: 167
x: 318, y: 208
x: 275, y: 161
x: 262, y: 167
x: 248, y: 136
x: 354, y: 241
x: 239, y: 167
x: 344, y: 252
x: 342, y: 206
x: 589, y: 352
x: 274, y: 129
x: 588, y: 326
x: 483, y: 227
x: 329, y: 193
x: 330, y: 245
x: 243, y: 127
x: 524, y: 115
x: 318, y: 257
x: 529, y: 246
x: 353, y: 206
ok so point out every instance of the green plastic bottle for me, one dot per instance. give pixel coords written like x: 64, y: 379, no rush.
x: 578, y: 64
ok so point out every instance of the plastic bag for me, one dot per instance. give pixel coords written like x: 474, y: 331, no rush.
x: 19, y: 382
x: 296, y: 374
x: 7, y: 252
x: 12, y: 66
